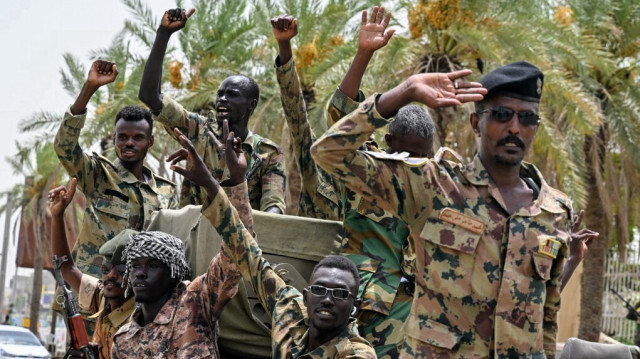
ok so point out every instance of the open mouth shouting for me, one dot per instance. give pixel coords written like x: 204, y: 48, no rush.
x: 222, y: 112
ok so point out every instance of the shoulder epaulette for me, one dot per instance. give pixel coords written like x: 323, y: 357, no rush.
x: 268, y: 142
x: 402, y: 156
x: 101, y: 158
x: 158, y: 177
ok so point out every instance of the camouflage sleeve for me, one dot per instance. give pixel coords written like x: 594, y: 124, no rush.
x: 237, y: 195
x: 302, y: 138
x: 381, y: 180
x: 77, y: 163
x: 89, y: 293
x: 552, y: 304
x: 243, y: 249
x: 273, y: 183
x: 174, y: 115
x: 340, y: 105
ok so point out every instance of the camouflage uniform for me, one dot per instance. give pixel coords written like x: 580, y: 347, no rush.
x: 265, y: 160
x: 284, y: 303
x: 373, y: 239
x: 187, y: 324
x: 487, y: 283
x: 108, y: 321
x: 116, y: 199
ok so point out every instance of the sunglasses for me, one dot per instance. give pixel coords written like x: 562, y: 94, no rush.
x: 337, y: 293
x: 505, y: 114
x: 107, y: 267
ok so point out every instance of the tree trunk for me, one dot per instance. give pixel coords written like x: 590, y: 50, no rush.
x: 36, y: 292
x: 596, y: 219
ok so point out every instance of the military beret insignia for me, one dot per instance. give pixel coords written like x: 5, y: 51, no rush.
x: 550, y: 247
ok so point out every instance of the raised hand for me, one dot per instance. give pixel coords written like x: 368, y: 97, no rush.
x: 444, y: 89
x: 175, y: 19
x: 196, y: 170
x: 285, y: 27
x: 101, y: 73
x: 581, y: 239
x: 372, y: 31
x: 60, y: 197
x: 231, y: 150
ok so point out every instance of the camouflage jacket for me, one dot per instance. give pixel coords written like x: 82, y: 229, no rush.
x: 187, y: 324
x: 487, y: 283
x: 265, y: 160
x: 373, y: 238
x: 318, y: 198
x: 108, y: 321
x: 116, y: 200
x: 283, y: 302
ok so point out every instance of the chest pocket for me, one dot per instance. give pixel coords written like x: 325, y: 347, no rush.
x: 537, y: 287
x: 449, y: 258
x: 112, y: 212
x: 328, y: 191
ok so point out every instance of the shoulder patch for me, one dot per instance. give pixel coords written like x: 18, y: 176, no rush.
x: 403, y: 156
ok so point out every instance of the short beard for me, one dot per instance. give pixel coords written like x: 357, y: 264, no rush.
x: 507, y: 162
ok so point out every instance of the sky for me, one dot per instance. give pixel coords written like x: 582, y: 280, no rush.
x: 34, y: 37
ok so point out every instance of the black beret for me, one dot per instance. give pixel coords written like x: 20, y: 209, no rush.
x: 520, y: 80
x: 112, y: 250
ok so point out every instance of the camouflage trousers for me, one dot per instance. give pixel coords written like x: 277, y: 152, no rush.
x: 384, y: 332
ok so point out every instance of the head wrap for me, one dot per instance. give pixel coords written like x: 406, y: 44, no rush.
x: 161, y: 246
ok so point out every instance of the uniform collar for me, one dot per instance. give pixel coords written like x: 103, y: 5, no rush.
x: 300, y: 334
x: 549, y: 199
x: 129, y: 178
x: 118, y: 316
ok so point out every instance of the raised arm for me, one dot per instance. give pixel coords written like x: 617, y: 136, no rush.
x: 59, y: 199
x: 66, y: 146
x: 237, y: 242
x: 372, y: 37
x: 172, y: 21
x: 337, y: 150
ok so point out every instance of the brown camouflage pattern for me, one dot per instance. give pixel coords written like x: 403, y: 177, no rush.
x: 283, y: 302
x: 265, y: 160
x: 187, y: 324
x: 116, y: 200
x: 479, y: 292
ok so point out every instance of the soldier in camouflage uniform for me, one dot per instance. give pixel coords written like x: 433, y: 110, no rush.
x: 173, y: 318
x: 104, y: 298
x: 237, y: 98
x: 312, y: 325
x: 490, y: 235
x: 120, y: 194
x: 374, y: 239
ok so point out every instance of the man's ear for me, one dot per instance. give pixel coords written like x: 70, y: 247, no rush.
x: 473, y: 120
x: 151, y: 141
x: 388, y: 138
x: 304, y: 296
x: 356, y: 306
x: 254, y: 104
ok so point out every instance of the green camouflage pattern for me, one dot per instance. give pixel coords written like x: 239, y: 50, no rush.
x: 284, y: 303
x: 116, y: 200
x: 265, y: 160
x: 483, y: 287
x: 374, y: 239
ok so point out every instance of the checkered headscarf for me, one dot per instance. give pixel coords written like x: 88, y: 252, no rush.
x: 161, y: 246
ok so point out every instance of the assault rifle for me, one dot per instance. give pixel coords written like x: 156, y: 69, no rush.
x: 79, y: 337
x: 633, y: 312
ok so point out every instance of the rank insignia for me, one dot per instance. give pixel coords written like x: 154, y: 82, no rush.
x: 550, y: 247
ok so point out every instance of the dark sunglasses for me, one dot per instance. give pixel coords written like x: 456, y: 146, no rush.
x: 505, y: 114
x: 107, y: 267
x: 337, y: 293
